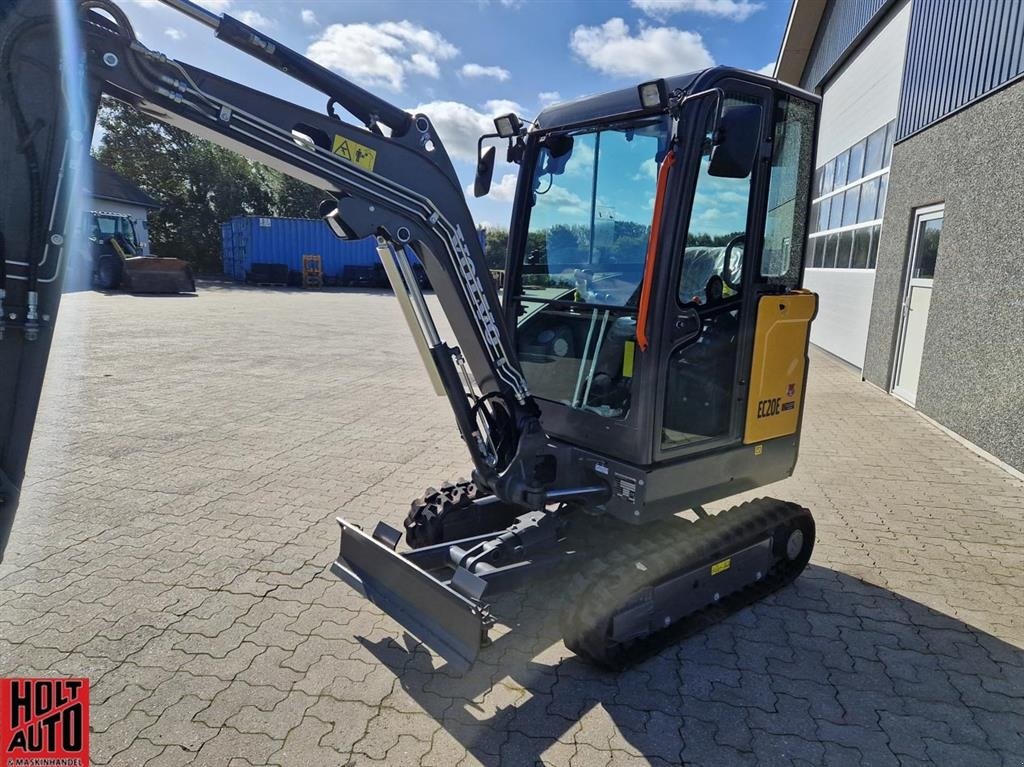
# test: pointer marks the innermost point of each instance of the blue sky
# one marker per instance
(463, 62)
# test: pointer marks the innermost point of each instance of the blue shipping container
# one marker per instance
(248, 240)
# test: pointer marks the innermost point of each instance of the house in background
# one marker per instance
(917, 222)
(113, 193)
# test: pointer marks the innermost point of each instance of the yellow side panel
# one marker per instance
(776, 393)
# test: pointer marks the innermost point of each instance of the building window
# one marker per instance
(875, 151)
(846, 215)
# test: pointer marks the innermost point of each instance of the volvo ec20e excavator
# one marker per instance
(649, 355)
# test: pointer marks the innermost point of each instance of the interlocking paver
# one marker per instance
(178, 522)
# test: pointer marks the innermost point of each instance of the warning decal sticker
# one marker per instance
(354, 152)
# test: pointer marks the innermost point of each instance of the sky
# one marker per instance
(462, 63)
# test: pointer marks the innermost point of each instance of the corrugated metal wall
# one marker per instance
(841, 24)
(248, 240)
(958, 51)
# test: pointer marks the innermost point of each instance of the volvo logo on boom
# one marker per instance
(482, 310)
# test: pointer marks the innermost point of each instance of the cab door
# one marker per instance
(710, 290)
(735, 330)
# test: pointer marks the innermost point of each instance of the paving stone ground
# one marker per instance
(175, 535)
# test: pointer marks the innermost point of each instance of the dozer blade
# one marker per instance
(149, 274)
(443, 619)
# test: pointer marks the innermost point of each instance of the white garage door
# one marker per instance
(859, 105)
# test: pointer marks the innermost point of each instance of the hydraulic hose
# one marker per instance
(26, 146)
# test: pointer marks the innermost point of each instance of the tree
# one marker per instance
(198, 184)
(295, 198)
(495, 247)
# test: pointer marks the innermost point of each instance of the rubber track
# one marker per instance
(424, 524)
(653, 553)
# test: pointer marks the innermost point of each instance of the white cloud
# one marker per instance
(652, 52)
(582, 161)
(569, 203)
(174, 34)
(308, 17)
(648, 170)
(549, 97)
(478, 70)
(217, 6)
(737, 10)
(256, 20)
(496, 107)
(767, 69)
(501, 191)
(381, 54)
(424, 65)
(460, 125)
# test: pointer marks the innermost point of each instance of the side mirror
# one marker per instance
(484, 172)
(737, 138)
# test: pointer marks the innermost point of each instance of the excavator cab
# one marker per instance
(651, 249)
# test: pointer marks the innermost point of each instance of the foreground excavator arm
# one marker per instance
(391, 179)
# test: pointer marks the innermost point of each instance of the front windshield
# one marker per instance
(579, 285)
(107, 226)
(593, 196)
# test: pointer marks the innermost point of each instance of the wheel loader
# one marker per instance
(117, 261)
(648, 355)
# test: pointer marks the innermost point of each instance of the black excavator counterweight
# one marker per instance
(648, 354)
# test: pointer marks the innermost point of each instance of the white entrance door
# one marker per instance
(924, 248)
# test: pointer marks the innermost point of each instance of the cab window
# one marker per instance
(713, 255)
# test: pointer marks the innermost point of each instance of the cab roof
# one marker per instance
(626, 102)
(587, 109)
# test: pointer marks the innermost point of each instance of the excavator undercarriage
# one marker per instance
(648, 354)
(629, 591)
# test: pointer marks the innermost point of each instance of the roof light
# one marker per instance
(508, 126)
(653, 95)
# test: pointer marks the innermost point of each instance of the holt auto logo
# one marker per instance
(44, 722)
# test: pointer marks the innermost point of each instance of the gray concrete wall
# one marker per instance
(972, 375)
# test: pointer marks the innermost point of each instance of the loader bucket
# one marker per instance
(149, 274)
(447, 621)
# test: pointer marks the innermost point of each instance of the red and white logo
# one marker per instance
(44, 722)
(791, 390)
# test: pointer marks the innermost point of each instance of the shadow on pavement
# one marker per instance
(831, 670)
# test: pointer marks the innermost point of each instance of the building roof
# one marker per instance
(804, 19)
(111, 185)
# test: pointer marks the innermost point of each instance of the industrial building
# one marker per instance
(917, 224)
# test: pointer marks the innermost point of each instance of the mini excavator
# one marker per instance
(648, 355)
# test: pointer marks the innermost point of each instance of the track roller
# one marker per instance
(667, 580)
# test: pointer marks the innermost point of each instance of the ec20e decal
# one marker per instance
(769, 407)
